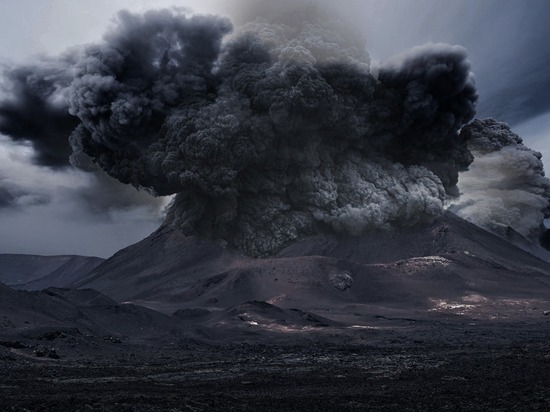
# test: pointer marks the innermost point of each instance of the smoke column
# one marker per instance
(270, 132)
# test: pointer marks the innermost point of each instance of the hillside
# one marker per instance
(449, 266)
(34, 272)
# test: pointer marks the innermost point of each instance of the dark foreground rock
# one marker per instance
(486, 367)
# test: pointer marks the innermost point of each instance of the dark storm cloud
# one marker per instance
(34, 108)
(6, 197)
(507, 42)
(280, 132)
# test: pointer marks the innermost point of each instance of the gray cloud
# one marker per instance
(505, 186)
(60, 211)
(102, 195)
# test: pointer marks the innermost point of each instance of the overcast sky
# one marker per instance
(47, 211)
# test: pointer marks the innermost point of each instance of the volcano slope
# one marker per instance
(32, 272)
(446, 316)
(76, 323)
(447, 269)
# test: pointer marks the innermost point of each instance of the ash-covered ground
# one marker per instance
(440, 365)
(450, 318)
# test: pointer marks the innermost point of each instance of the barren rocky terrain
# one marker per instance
(460, 367)
(443, 317)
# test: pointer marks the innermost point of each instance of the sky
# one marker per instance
(65, 211)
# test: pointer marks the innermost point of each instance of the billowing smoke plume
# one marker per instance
(277, 131)
(34, 108)
(505, 185)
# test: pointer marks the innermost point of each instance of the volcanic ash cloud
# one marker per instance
(274, 131)
(505, 185)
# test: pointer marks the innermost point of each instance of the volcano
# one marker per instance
(449, 267)
(315, 254)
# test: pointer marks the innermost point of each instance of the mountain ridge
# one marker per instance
(414, 269)
(35, 272)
